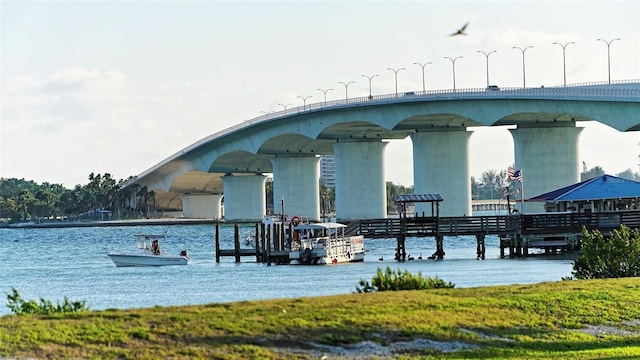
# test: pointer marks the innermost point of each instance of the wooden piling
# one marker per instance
(268, 247)
(480, 249)
(439, 254)
(236, 242)
(401, 252)
(256, 242)
(217, 242)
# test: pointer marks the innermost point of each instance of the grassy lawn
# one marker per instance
(586, 319)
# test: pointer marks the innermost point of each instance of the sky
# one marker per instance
(118, 86)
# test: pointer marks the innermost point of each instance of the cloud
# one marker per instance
(69, 95)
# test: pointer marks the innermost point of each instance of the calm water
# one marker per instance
(73, 262)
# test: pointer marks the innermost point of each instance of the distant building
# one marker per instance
(328, 171)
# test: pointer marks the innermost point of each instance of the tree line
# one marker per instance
(104, 197)
(494, 184)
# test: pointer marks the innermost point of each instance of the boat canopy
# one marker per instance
(320, 226)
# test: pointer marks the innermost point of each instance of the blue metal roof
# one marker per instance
(599, 188)
(414, 198)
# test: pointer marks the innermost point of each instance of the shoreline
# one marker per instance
(110, 223)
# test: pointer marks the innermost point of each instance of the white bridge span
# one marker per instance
(233, 162)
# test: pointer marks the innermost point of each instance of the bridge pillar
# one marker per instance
(202, 206)
(441, 165)
(549, 159)
(360, 185)
(244, 197)
(296, 179)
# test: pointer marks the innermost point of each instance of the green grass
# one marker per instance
(509, 322)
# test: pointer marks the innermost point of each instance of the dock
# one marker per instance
(518, 233)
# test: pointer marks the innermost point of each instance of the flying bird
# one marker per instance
(461, 30)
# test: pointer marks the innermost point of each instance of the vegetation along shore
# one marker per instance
(577, 319)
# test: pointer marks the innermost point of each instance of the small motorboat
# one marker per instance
(148, 253)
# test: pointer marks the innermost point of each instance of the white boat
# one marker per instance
(148, 253)
(324, 243)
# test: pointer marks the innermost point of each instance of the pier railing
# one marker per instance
(534, 224)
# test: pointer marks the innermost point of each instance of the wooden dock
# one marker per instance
(269, 245)
(551, 232)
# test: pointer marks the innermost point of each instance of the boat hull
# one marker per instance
(129, 260)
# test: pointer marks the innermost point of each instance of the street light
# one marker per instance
(453, 63)
(524, 83)
(267, 113)
(325, 95)
(608, 55)
(346, 88)
(285, 107)
(370, 77)
(304, 102)
(487, 56)
(395, 71)
(422, 66)
(564, 63)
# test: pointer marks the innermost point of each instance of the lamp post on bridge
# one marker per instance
(304, 101)
(453, 64)
(564, 63)
(524, 83)
(267, 113)
(486, 55)
(346, 88)
(422, 66)
(608, 55)
(325, 91)
(370, 77)
(285, 107)
(395, 71)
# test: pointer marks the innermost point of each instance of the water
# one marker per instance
(73, 262)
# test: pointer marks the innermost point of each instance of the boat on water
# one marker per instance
(324, 243)
(148, 253)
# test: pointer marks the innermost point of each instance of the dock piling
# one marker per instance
(480, 249)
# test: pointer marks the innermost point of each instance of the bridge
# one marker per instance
(233, 162)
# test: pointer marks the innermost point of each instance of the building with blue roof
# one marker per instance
(601, 194)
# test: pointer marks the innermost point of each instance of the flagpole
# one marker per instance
(522, 189)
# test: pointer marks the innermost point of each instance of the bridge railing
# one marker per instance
(557, 92)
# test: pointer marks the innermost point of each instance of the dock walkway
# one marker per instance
(552, 232)
(518, 233)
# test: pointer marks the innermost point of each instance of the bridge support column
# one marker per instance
(296, 179)
(202, 206)
(549, 159)
(244, 197)
(360, 185)
(441, 165)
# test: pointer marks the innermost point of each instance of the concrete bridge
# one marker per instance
(232, 162)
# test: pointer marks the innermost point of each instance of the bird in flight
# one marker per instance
(460, 31)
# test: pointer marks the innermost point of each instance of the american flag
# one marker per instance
(515, 174)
